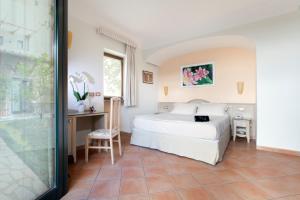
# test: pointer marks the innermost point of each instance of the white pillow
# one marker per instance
(211, 109)
(184, 109)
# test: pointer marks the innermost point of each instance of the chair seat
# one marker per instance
(102, 134)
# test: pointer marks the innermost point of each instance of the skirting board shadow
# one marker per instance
(277, 150)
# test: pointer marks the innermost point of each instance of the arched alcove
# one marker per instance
(160, 55)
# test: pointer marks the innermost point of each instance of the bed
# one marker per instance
(176, 132)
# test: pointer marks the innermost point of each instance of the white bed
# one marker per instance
(177, 133)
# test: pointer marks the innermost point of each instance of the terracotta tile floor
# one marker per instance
(145, 174)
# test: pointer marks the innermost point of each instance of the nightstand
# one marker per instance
(241, 128)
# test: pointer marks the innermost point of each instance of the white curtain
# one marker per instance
(130, 73)
(130, 77)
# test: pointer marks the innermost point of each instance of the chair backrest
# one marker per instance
(115, 109)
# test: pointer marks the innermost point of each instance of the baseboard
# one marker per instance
(278, 150)
(125, 132)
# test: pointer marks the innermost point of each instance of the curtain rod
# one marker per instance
(115, 36)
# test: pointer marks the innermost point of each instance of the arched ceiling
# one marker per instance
(164, 54)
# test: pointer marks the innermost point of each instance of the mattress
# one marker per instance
(183, 125)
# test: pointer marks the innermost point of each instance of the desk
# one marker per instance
(99, 120)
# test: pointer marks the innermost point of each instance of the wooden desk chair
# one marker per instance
(107, 134)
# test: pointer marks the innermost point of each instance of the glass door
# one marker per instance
(29, 115)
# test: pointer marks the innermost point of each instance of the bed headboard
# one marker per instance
(168, 106)
(198, 101)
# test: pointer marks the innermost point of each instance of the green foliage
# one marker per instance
(77, 94)
(79, 97)
(112, 77)
(40, 72)
(84, 96)
(33, 77)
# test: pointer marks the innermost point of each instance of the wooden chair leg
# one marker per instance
(111, 150)
(120, 147)
(87, 149)
(106, 145)
(99, 145)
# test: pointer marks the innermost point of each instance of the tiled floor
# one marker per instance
(17, 180)
(144, 174)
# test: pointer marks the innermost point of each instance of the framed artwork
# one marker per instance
(197, 75)
(147, 77)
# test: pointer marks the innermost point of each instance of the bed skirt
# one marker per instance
(209, 151)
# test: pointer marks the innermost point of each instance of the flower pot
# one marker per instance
(80, 106)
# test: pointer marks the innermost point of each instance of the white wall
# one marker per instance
(278, 82)
(86, 55)
(147, 95)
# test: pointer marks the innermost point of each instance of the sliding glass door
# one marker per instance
(29, 111)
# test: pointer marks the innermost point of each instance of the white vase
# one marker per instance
(80, 106)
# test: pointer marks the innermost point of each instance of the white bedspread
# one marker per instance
(183, 125)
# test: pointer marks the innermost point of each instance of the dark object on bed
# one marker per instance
(201, 118)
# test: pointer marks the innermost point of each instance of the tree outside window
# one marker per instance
(113, 76)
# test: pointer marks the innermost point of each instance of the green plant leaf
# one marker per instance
(77, 95)
(208, 80)
(84, 96)
(204, 81)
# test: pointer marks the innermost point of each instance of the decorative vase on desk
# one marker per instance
(80, 106)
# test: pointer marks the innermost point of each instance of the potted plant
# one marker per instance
(80, 98)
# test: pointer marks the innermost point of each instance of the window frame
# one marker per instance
(20, 44)
(110, 55)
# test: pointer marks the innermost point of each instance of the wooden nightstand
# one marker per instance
(241, 128)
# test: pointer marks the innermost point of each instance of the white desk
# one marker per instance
(99, 120)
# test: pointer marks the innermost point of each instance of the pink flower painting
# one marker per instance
(197, 75)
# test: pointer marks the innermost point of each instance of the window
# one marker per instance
(30, 97)
(20, 44)
(21, 98)
(26, 42)
(113, 75)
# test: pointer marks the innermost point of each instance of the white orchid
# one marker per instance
(74, 80)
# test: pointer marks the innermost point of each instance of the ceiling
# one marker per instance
(164, 54)
(157, 23)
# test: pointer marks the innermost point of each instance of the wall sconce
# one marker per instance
(166, 90)
(240, 87)
(70, 38)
